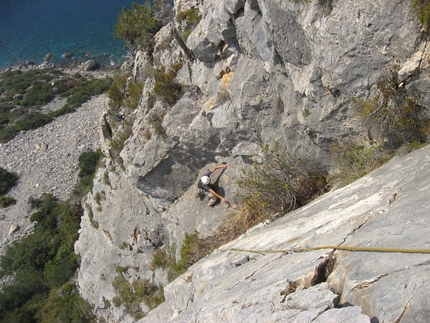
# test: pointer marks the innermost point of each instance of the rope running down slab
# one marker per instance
(346, 248)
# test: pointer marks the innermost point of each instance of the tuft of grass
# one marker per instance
(165, 87)
(130, 295)
(277, 183)
(192, 19)
(355, 160)
(391, 115)
(422, 9)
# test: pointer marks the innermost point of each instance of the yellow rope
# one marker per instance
(347, 248)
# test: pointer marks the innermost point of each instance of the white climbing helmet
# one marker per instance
(206, 180)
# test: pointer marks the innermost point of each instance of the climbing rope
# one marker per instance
(347, 248)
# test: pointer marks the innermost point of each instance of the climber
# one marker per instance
(205, 185)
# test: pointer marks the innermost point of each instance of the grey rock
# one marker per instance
(90, 65)
(14, 228)
(380, 285)
(259, 66)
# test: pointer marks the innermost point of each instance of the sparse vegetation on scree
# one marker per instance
(43, 263)
(23, 94)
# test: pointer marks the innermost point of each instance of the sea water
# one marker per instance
(31, 29)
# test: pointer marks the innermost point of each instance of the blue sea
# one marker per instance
(30, 29)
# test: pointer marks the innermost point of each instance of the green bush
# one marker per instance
(134, 94)
(33, 121)
(137, 26)
(278, 183)
(192, 17)
(116, 92)
(391, 116)
(130, 295)
(66, 306)
(7, 180)
(40, 261)
(165, 85)
(36, 89)
(87, 165)
(6, 201)
(38, 95)
(356, 160)
(124, 90)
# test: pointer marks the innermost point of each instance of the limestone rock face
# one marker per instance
(247, 280)
(249, 73)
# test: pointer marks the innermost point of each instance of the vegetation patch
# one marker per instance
(7, 181)
(43, 263)
(391, 116)
(277, 183)
(138, 25)
(422, 10)
(88, 162)
(165, 87)
(354, 160)
(22, 94)
(191, 18)
(131, 295)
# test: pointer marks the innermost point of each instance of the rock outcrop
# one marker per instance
(253, 72)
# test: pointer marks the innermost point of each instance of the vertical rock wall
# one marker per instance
(261, 71)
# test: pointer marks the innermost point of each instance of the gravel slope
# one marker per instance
(46, 159)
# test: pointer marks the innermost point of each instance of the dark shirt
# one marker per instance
(206, 187)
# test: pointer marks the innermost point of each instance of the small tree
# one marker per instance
(278, 183)
(138, 26)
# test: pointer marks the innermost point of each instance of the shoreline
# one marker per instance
(72, 65)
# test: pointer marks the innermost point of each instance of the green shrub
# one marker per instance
(326, 5)
(278, 183)
(6, 201)
(87, 165)
(7, 180)
(38, 95)
(155, 119)
(134, 94)
(116, 92)
(138, 26)
(33, 120)
(40, 261)
(391, 116)
(354, 161)
(165, 258)
(130, 295)
(192, 17)
(124, 90)
(165, 85)
(66, 306)
(36, 89)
